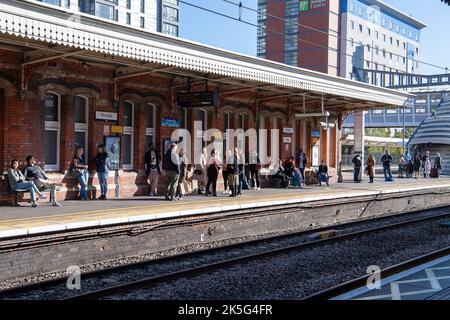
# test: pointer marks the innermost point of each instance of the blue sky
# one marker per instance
(224, 33)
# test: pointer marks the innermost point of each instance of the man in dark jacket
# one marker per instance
(152, 168)
(102, 167)
(233, 172)
(386, 160)
(357, 168)
(172, 167)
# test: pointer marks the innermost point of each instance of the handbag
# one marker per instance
(198, 172)
(77, 173)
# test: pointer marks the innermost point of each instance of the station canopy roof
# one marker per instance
(46, 32)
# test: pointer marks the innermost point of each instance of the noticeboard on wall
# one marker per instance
(112, 144)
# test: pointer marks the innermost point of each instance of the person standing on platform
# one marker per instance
(201, 171)
(226, 189)
(426, 165)
(401, 167)
(102, 167)
(79, 169)
(408, 165)
(438, 164)
(357, 164)
(233, 173)
(370, 165)
(386, 160)
(35, 173)
(152, 162)
(304, 163)
(213, 174)
(254, 168)
(243, 184)
(181, 180)
(172, 167)
(417, 164)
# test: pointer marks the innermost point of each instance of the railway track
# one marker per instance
(346, 287)
(49, 285)
(208, 267)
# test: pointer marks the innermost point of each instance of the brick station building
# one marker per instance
(57, 73)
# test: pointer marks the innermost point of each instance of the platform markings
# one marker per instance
(396, 293)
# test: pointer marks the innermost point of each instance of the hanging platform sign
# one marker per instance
(287, 140)
(315, 133)
(198, 99)
(288, 130)
(107, 116)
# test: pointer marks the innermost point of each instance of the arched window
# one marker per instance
(81, 112)
(151, 126)
(52, 138)
(128, 135)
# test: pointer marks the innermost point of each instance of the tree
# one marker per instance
(446, 1)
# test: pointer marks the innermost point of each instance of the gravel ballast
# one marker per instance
(332, 263)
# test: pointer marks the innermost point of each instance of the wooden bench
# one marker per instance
(19, 191)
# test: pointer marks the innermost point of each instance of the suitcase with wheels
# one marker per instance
(434, 173)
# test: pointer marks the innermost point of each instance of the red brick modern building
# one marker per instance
(59, 81)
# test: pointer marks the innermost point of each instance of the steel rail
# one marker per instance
(360, 282)
(148, 282)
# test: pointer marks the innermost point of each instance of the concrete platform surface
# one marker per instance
(24, 220)
(429, 281)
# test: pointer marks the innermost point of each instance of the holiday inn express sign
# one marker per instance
(305, 5)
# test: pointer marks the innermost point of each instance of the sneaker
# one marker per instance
(34, 205)
(42, 197)
(258, 188)
(151, 194)
(180, 199)
(56, 204)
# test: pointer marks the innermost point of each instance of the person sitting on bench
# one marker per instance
(18, 182)
(322, 174)
(280, 174)
(34, 173)
(297, 180)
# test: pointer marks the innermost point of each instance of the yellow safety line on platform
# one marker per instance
(200, 204)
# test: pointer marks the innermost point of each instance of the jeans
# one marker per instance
(356, 174)
(83, 179)
(103, 180)
(29, 186)
(255, 178)
(387, 172)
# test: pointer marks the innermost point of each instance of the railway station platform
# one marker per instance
(23, 220)
(429, 281)
(47, 239)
